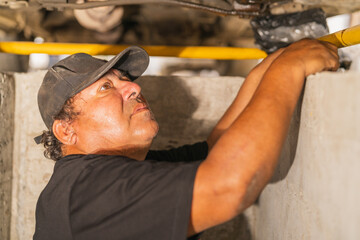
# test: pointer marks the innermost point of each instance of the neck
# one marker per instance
(134, 152)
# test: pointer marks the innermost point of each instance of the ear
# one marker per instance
(64, 132)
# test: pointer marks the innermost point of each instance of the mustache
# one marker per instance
(140, 99)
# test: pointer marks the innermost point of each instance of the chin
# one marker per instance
(154, 126)
(154, 130)
(148, 132)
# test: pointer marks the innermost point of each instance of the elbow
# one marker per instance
(234, 195)
(251, 189)
(246, 187)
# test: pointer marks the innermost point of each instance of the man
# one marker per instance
(101, 129)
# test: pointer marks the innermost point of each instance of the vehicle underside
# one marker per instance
(157, 22)
(174, 22)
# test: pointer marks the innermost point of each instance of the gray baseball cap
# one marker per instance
(78, 71)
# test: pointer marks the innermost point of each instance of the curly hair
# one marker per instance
(53, 147)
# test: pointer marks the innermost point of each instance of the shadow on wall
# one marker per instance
(174, 105)
(236, 229)
(288, 152)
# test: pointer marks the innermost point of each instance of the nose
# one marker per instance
(130, 90)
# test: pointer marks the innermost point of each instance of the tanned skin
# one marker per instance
(246, 143)
(114, 119)
(244, 146)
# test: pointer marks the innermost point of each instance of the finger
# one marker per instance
(335, 54)
(337, 65)
(332, 50)
(333, 64)
(330, 46)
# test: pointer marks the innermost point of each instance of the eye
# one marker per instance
(105, 86)
(124, 78)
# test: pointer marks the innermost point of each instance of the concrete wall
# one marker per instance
(313, 193)
(31, 171)
(316, 195)
(7, 107)
(181, 110)
(8, 62)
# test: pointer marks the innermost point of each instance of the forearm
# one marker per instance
(244, 157)
(254, 140)
(242, 99)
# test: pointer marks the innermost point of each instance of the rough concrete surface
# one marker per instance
(183, 113)
(186, 108)
(313, 194)
(319, 196)
(31, 171)
(7, 107)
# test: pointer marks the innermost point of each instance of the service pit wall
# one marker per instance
(7, 110)
(314, 193)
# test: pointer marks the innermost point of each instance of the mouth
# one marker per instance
(140, 108)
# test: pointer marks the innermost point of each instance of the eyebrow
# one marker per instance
(113, 72)
(122, 74)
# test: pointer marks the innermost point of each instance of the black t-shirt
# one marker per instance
(114, 197)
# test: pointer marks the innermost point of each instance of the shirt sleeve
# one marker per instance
(127, 199)
(186, 153)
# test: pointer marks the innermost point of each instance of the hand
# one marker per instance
(310, 56)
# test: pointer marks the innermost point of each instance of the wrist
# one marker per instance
(290, 67)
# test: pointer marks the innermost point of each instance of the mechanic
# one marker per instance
(108, 185)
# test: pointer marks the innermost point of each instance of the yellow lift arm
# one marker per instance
(343, 38)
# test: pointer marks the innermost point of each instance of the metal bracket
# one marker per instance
(243, 10)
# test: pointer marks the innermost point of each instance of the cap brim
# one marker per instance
(133, 61)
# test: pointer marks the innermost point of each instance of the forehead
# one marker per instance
(112, 74)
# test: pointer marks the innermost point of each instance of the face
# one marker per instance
(114, 116)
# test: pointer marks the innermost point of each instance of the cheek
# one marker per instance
(107, 119)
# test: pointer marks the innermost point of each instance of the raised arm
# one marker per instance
(242, 99)
(243, 158)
